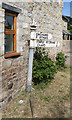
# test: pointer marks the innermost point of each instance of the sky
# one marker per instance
(67, 0)
(66, 7)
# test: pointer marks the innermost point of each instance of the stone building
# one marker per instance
(67, 42)
(16, 19)
(66, 32)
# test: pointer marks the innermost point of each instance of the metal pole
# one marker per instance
(29, 76)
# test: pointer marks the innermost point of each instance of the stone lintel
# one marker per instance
(11, 8)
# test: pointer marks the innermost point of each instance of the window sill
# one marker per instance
(10, 55)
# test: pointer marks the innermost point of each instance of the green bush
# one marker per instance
(60, 60)
(43, 67)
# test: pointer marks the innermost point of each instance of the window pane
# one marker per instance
(9, 42)
(9, 20)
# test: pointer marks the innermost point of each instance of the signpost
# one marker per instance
(43, 36)
(29, 76)
(40, 43)
(37, 40)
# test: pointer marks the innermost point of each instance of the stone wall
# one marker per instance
(14, 70)
(67, 46)
(48, 16)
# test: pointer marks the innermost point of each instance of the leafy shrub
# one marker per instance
(60, 60)
(43, 67)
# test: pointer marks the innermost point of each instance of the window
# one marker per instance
(10, 34)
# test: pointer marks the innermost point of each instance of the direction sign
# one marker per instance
(46, 36)
(40, 43)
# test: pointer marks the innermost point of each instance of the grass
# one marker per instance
(41, 85)
(47, 99)
(52, 100)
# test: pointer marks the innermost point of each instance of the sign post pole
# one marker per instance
(29, 77)
(31, 52)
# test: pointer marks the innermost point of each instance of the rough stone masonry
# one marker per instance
(13, 71)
